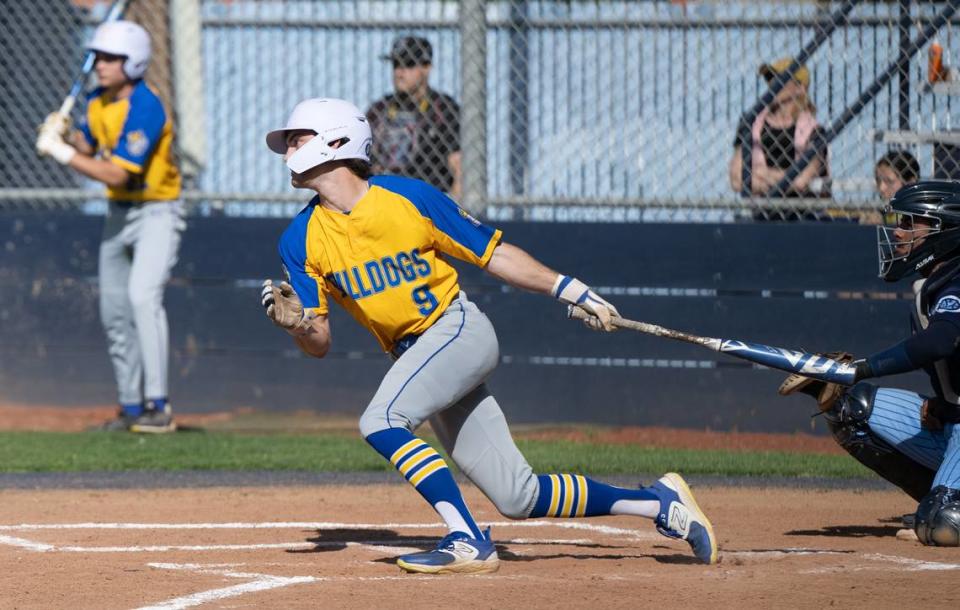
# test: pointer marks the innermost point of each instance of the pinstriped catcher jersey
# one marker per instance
(938, 298)
(383, 262)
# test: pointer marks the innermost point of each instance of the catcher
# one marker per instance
(376, 245)
(913, 441)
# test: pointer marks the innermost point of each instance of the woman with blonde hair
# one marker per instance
(780, 134)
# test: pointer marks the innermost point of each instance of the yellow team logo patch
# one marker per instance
(137, 142)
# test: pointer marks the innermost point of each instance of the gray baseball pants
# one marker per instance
(441, 378)
(138, 250)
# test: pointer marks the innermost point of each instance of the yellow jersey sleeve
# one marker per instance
(301, 274)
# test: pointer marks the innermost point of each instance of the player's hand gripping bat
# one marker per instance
(814, 366)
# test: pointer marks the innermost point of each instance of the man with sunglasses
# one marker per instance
(126, 142)
(416, 130)
(911, 440)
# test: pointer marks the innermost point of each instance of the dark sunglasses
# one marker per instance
(406, 63)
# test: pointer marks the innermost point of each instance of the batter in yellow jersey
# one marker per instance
(378, 246)
(383, 262)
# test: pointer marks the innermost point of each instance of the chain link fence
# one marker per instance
(539, 109)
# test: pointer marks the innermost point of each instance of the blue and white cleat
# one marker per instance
(457, 553)
(681, 517)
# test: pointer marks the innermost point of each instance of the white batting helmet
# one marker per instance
(127, 39)
(332, 120)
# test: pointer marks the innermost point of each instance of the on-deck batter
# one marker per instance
(126, 143)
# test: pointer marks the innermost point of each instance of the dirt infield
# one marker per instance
(333, 547)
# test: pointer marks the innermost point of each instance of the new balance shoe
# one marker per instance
(121, 423)
(457, 553)
(154, 420)
(681, 517)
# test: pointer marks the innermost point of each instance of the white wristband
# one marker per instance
(569, 290)
(62, 152)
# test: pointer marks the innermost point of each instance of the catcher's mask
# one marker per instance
(925, 229)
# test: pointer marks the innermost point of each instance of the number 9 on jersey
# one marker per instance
(424, 299)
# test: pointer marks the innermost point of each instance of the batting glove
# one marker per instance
(58, 123)
(864, 370)
(572, 291)
(50, 143)
(284, 308)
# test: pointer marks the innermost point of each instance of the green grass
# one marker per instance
(78, 452)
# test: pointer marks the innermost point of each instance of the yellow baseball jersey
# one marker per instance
(136, 134)
(383, 262)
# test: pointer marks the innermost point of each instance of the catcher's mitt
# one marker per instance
(824, 392)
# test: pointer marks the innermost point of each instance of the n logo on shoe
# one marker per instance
(679, 519)
(464, 550)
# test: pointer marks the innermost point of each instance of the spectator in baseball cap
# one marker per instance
(416, 130)
(772, 70)
(410, 51)
(780, 134)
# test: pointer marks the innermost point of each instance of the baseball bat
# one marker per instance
(115, 13)
(814, 366)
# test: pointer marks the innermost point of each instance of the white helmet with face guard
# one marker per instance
(333, 121)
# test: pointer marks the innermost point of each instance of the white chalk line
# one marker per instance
(262, 582)
(300, 525)
(388, 546)
(163, 548)
(893, 562)
(384, 545)
(781, 553)
(26, 544)
(325, 525)
(914, 564)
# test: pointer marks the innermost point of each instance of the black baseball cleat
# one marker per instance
(154, 422)
(120, 423)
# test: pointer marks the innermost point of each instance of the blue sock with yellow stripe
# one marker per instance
(574, 495)
(423, 467)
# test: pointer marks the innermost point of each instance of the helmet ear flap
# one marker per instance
(313, 153)
(135, 68)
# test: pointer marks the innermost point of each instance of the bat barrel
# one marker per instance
(814, 366)
(115, 13)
